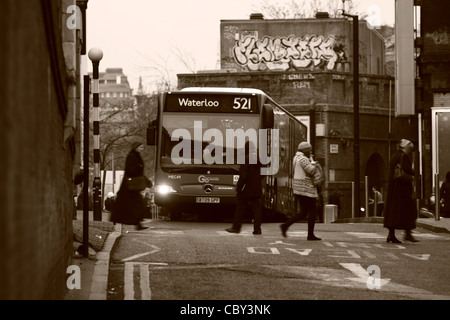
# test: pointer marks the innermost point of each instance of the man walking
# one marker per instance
(248, 191)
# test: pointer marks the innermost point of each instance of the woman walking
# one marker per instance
(445, 196)
(400, 211)
(130, 207)
(304, 190)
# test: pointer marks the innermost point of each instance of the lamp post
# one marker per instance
(85, 247)
(95, 55)
(312, 125)
(355, 60)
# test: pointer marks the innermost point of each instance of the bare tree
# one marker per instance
(297, 9)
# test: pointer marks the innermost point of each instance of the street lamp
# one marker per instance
(356, 204)
(95, 55)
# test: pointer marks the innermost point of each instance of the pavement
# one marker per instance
(103, 234)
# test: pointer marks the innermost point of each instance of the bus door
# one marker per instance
(440, 121)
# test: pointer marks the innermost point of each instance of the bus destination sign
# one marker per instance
(220, 103)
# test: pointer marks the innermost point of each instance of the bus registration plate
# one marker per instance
(207, 200)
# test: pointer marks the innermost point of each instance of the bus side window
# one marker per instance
(151, 133)
(267, 116)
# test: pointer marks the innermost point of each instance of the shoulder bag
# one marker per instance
(398, 170)
(318, 178)
(136, 183)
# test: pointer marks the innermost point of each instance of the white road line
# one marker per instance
(145, 282)
(128, 281)
(155, 249)
(366, 235)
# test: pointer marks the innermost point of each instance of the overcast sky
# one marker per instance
(138, 34)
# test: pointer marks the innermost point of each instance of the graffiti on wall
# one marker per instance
(284, 53)
(439, 36)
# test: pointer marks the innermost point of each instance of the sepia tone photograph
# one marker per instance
(225, 158)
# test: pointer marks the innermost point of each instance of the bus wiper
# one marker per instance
(187, 170)
(204, 169)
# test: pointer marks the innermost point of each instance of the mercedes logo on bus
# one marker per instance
(208, 188)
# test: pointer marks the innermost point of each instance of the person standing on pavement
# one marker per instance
(378, 199)
(129, 206)
(400, 211)
(304, 189)
(445, 196)
(248, 191)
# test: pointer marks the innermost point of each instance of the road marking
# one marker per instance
(423, 257)
(154, 249)
(242, 233)
(128, 288)
(302, 252)
(144, 283)
(146, 294)
(297, 234)
(366, 235)
(281, 242)
(272, 250)
(362, 274)
(351, 254)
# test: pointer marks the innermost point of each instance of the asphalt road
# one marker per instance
(201, 261)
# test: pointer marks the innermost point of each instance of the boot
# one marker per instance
(284, 228)
(311, 235)
(391, 236)
(409, 237)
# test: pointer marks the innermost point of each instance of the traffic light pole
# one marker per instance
(356, 166)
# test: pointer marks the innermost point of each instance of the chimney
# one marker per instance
(322, 15)
(256, 16)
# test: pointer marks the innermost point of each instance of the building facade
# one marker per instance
(433, 91)
(39, 131)
(306, 65)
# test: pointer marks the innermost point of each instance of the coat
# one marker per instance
(400, 211)
(249, 183)
(303, 170)
(445, 197)
(129, 206)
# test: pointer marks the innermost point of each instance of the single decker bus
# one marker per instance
(200, 133)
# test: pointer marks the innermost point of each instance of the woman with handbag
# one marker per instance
(304, 189)
(130, 207)
(400, 211)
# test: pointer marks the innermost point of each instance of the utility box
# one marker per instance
(331, 213)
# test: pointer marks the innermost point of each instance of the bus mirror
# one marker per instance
(267, 117)
(151, 136)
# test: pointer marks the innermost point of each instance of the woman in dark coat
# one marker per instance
(129, 207)
(400, 211)
(445, 196)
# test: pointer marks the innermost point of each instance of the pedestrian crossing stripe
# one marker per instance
(366, 235)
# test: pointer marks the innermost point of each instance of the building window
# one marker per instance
(107, 94)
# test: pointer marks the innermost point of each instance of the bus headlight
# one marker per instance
(165, 189)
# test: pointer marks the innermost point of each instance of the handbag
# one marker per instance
(318, 179)
(398, 170)
(399, 173)
(136, 183)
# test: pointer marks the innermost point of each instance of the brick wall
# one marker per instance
(37, 206)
